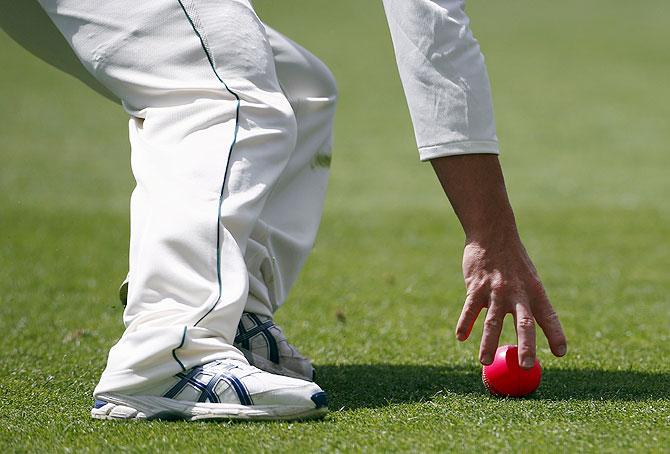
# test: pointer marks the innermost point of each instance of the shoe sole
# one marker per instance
(123, 407)
(273, 368)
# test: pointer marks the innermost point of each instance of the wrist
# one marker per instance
(475, 187)
(493, 234)
(491, 222)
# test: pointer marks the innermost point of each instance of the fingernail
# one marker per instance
(561, 350)
(486, 359)
(528, 363)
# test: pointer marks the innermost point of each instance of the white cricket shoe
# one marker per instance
(223, 389)
(264, 345)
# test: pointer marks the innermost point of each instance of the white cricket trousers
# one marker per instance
(230, 131)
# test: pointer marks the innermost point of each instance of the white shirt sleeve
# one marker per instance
(444, 77)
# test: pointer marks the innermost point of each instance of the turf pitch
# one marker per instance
(582, 104)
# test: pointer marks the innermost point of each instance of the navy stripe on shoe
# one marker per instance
(185, 380)
(206, 393)
(243, 335)
(208, 390)
(273, 350)
(241, 390)
(211, 387)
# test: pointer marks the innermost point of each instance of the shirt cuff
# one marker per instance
(458, 148)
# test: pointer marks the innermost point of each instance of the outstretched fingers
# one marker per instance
(492, 329)
(525, 332)
(548, 320)
(474, 303)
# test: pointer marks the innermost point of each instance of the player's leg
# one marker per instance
(288, 223)
(211, 132)
(290, 219)
(285, 232)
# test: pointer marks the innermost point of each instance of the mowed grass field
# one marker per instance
(583, 106)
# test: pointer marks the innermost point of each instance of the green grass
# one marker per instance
(582, 103)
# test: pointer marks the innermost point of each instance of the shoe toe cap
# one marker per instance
(305, 394)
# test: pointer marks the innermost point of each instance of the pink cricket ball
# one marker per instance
(504, 377)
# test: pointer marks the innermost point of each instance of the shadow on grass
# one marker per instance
(378, 385)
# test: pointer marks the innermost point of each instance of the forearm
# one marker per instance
(475, 187)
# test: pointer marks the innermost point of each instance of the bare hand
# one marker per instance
(500, 276)
(498, 273)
